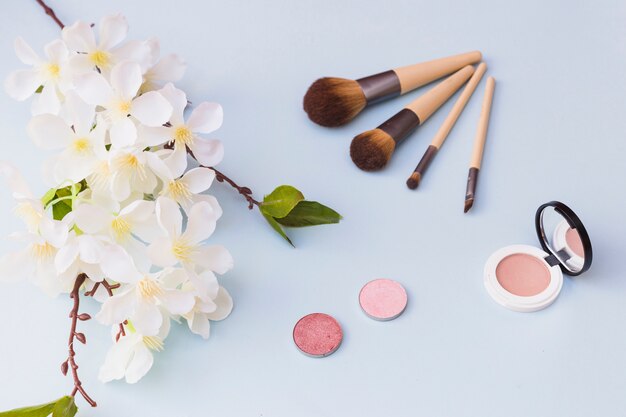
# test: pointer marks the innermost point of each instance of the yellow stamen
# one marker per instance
(101, 59)
(183, 135)
(42, 251)
(121, 228)
(148, 288)
(81, 145)
(123, 107)
(153, 343)
(52, 70)
(129, 162)
(179, 191)
(182, 250)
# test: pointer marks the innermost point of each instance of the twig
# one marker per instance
(50, 13)
(109, 288)
(70, 362)
(244, 191)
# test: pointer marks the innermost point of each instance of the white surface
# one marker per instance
(556, 132)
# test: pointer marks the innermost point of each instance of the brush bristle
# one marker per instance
(468, 205)
(414, 180)
(333, 102)
(371, 150)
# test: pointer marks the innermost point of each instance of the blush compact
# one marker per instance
(527, 278)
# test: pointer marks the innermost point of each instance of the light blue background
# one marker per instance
(557, 132)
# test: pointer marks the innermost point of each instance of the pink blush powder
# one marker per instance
(317, 335)
(383, 299)
(523, 275)
(574, 242)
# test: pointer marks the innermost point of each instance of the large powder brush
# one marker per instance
(333, 102)
(372, 150)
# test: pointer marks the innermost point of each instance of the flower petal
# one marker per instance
(65, 257)
(177, 161)
(56, 51)
(200, 223)
(147, 318)
(206, 118)
(169, 216)
(119, 307)
(139, 365)
(118, 265)
(154, 136)
(117, 359)
(93, 88)
(48, 102)
(224, 305)
(113, 30)
(198, 179)
(208, 152)
(160, 252)
(126, 79)
(151, 109)
(177, 301)
(138, 211)
(123, 133)
(90, 249)
(25, 53)
(178, 99)
(49, 132)
(80, 115)
(216, 258)
(79, 37)
(169, 68)
(22, 84)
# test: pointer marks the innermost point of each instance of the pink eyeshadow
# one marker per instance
(574, 242)
(523, 274)
(317, 335)
(383, 299)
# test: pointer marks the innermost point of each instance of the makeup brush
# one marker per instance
(371, 150)
(446, 127)
(479, 144)
(333, 102)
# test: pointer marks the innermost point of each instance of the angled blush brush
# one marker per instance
(479, 145)
(333, 102)
(446, 127)
(371, 150)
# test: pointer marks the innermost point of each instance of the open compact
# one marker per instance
(526, 278)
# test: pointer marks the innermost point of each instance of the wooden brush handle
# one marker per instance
(413, 76)
(483, 122)
(429, 102)
(458, 107)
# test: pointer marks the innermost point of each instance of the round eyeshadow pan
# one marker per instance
(523, 275)
(317, 335)
(383, 299)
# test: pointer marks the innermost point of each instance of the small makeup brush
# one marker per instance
(371, 150)
(446, 127)
(333, 102)
(479, 144)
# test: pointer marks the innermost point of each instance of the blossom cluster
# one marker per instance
(126, 207)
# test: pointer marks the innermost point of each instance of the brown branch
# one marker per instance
(109, 288)
(244, 191)
(70, 362)
(50, 13)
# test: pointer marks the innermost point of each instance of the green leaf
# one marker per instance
(41, 410)
(65, 407)
(281, 201)
(310, 213)
(48, 196)
(277, 228)
(61, 208)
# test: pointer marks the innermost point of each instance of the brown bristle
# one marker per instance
(414, 180)
(371, 150)
(468, 205)
(333, 102)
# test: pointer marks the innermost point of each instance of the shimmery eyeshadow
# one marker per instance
(317, 335)
(574, 242)
(383, 299)
(523, 275)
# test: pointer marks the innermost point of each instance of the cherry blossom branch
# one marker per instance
(70, 362)
(50, 13)
(244, 191)
(109, 288)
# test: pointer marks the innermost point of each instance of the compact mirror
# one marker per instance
(564, 237)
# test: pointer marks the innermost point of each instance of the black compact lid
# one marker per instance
(574, 222)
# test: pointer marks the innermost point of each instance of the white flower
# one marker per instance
(143, 303)
(108, 51)
(119, 101)
(185, 247)
(131, 357)
(205, 118)
(185, 188)
(132, 173)
(51, 73)
(29, 209)
(81, 144)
